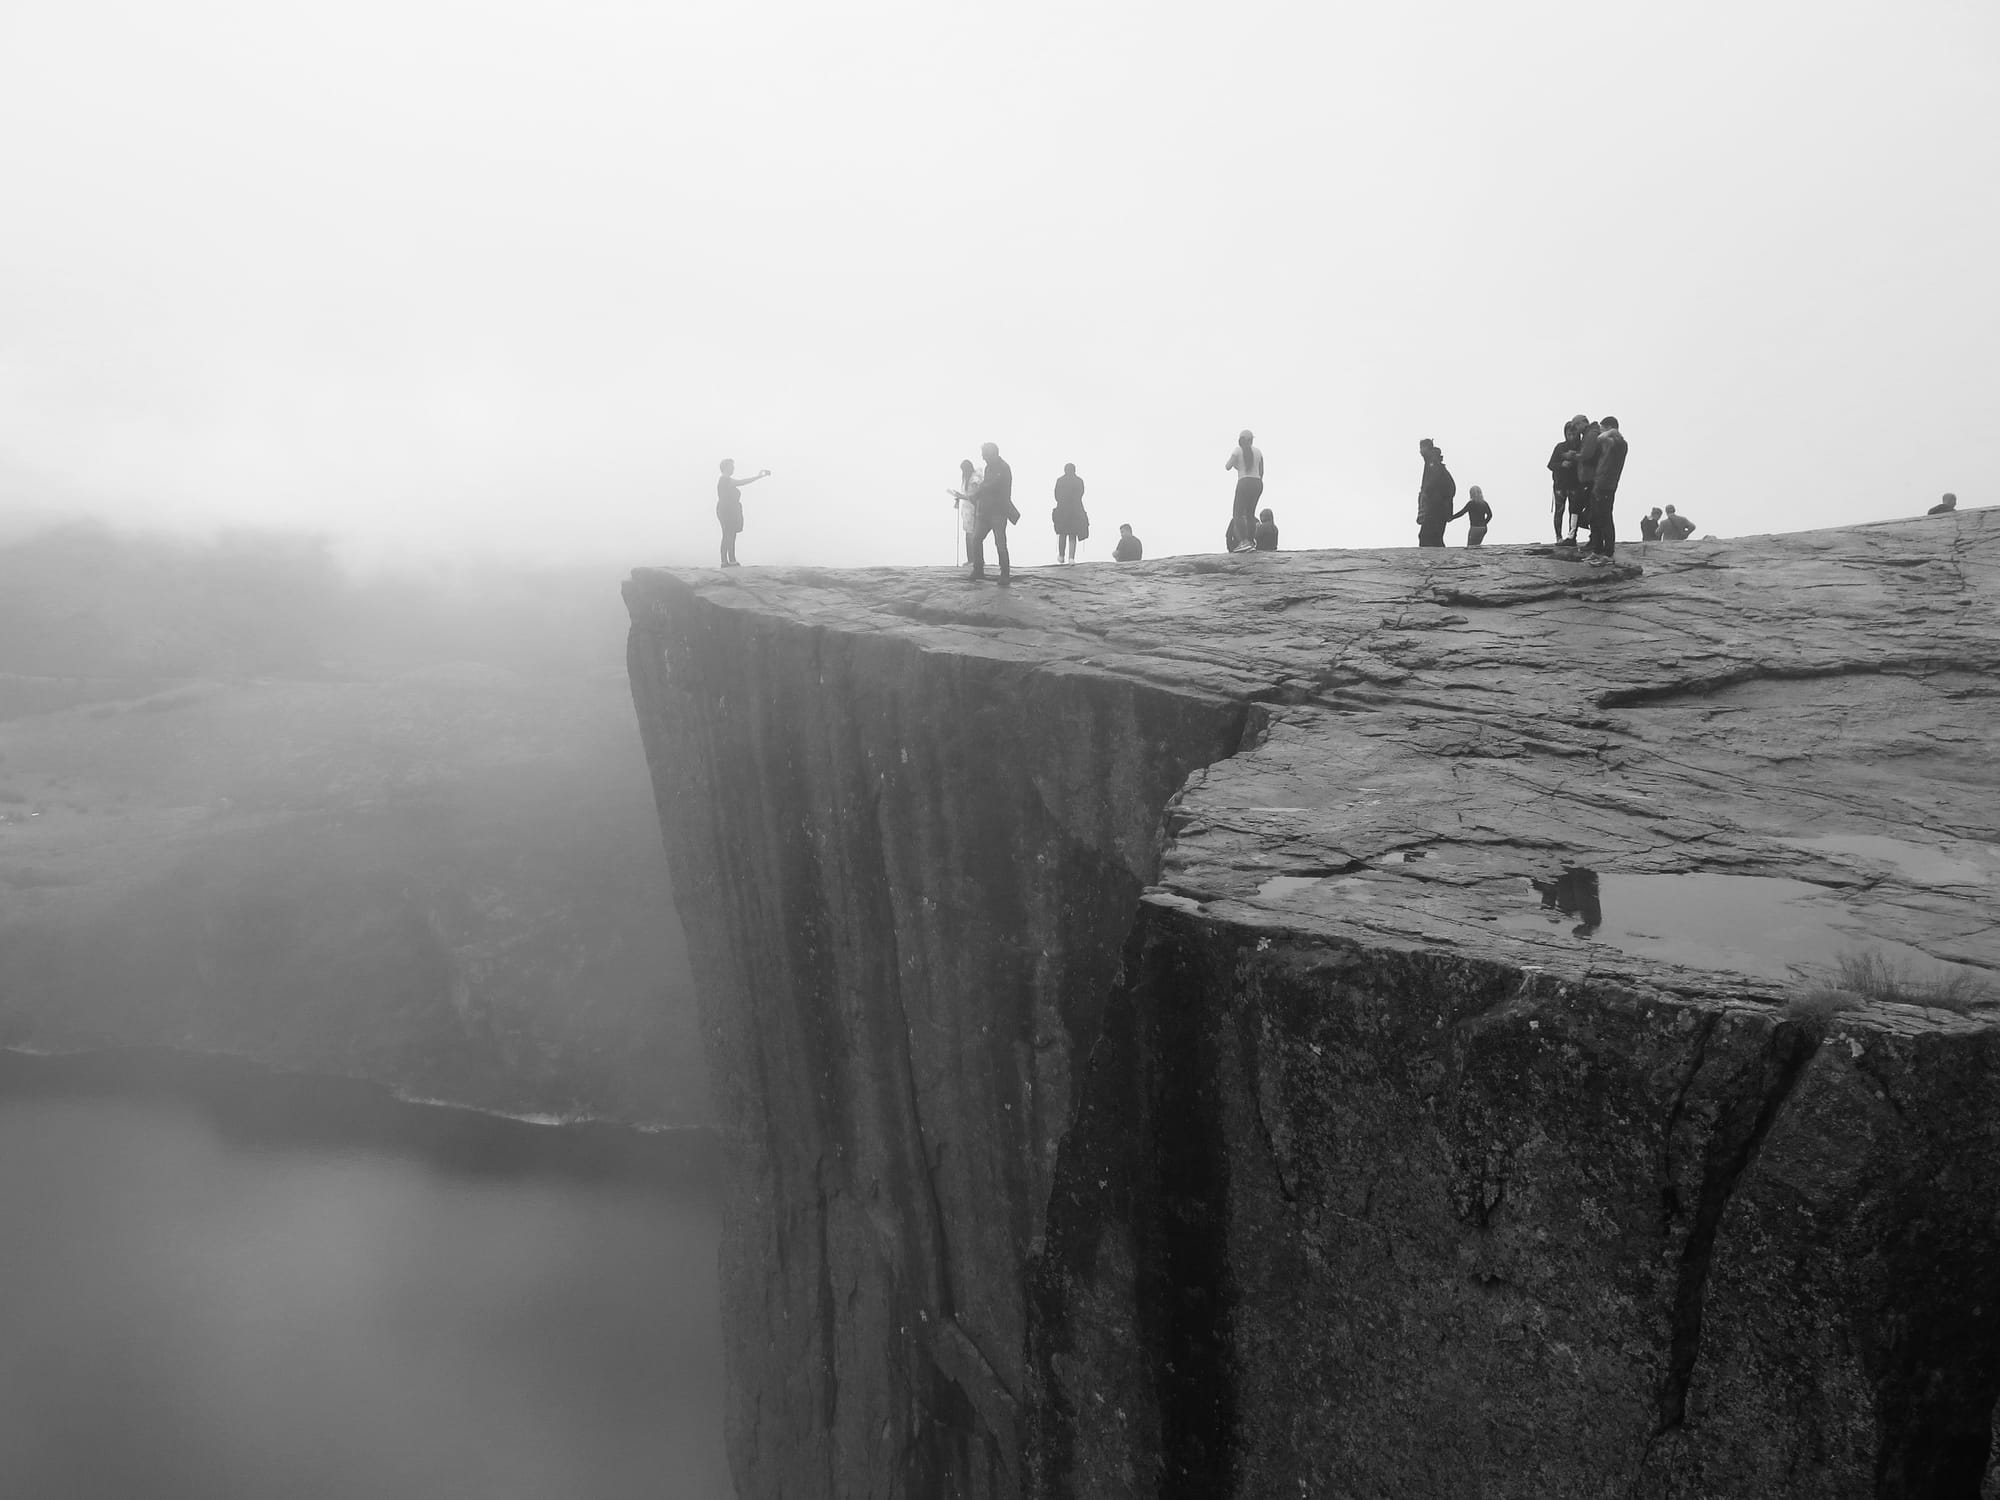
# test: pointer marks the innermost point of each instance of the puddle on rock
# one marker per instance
(1279, 886)
(1925, 864)
(1754, 924)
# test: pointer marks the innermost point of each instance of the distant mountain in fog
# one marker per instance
(397, 827)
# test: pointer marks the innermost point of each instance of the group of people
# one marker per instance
(1585, 469)
(985, 502)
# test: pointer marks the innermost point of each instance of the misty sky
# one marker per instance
(511, 277)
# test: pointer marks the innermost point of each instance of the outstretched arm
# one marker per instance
(760, 474)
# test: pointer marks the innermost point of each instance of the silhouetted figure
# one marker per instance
(1071, 521)
(1649, 526)
(1434, 496)
(1248, 461)
(1481, 513)
(1575, 892)
(1129, 548)
(994, 505)
(1587, 444)
(729, 507)
(1944, 507)
(1562, 478)
(1608, 470)
(962, 498)
(1267, 533)
(1675, 527)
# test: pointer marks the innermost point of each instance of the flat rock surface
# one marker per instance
(1769, 753)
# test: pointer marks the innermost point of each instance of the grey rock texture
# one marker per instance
(1351, 1023)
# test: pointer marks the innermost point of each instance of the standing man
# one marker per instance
(729, 506)
(1605, 474)
(1071, 521)
(1675, 527)
(993, 508)
(1434, 496)
(1248, 461)
(1588, 436)
(1481, 513)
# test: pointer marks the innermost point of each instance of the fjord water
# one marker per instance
(266, 1287)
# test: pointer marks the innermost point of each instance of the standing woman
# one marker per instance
(1248, 462)
(968, 485)
(729, 507)
(1071, 521)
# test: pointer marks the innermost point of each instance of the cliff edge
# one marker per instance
(1390, 1023)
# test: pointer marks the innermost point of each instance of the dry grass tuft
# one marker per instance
(1870, 976)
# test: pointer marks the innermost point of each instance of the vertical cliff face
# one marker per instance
(1351, 1024)
(906, 863)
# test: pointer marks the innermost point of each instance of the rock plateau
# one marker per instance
(1327, 1024)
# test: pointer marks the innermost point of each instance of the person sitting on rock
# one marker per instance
(1267, 532)
(1129, 548)
(1944, 507)
(1482, 514)
(1675, 527)
(1649, 526)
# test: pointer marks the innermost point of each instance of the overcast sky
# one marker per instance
(511, 277)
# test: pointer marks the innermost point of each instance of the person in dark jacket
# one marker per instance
(1605, 474)
(1267, 532)
(729, 507)
(1072, 523)
(993, 509)
(1649, 526)
(1562, 479)
(1129, 548)
(1480, 512)
(1434, 496)
(1944, 507)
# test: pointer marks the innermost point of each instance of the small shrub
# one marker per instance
(1874, 977)
(1822, 1002)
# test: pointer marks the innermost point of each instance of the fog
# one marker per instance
(507, 280)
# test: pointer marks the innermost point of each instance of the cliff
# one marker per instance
(1389, 1023)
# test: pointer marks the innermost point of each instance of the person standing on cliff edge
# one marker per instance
(1434, 496)
(729, 507)
(993, 508)
(1609, 469)
(1247, 459)
(1071, 521)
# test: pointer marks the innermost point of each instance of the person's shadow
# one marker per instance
(1574, 891)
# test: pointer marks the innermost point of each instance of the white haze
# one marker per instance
(507, 279)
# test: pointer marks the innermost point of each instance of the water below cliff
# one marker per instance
(215, 1284)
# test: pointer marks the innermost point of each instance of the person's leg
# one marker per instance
(1561, 506)
(975, 541)
(1603, 529)
(1000, 545)
(725, 547)
(1430, 534)
(1475, 536)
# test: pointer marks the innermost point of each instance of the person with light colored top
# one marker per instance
(1247, 459)
(1675, 527)
(968, 515)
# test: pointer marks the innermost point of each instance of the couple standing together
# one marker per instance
(986, 505)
